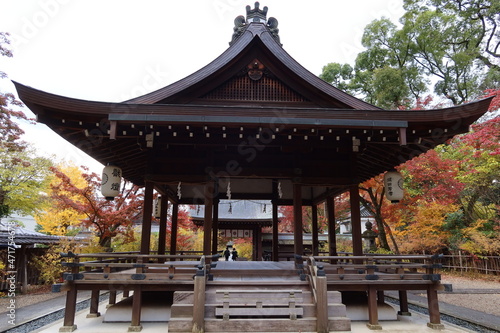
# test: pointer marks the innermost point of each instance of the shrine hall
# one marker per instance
(253, 124)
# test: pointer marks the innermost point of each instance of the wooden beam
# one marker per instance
(402, 136)
(112, 129)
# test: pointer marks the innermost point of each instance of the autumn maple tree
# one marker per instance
(106, 217)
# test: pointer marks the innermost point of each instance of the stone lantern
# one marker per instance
(369, 237)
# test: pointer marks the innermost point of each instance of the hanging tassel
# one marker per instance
(280, 192)
(228, 192)
(179, 193)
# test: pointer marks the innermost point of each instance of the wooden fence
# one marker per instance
(471, 263)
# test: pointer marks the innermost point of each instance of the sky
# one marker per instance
(114, 50)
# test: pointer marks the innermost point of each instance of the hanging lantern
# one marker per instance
(393, 183)
(157, 208)
(111, 181)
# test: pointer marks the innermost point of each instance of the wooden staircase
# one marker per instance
(244, 299)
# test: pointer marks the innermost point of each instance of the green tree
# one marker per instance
(453, 44)
(23, 177)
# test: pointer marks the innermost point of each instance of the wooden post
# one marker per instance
(94, 304)
(275, 245)
(173, 233)
(70, 309)
(357, 241)
(162, 234)
(330, 215)
(199, 302)
(135, 324)
(258, 243)
(433, 306)
(297, 218)
(112, 298)
(315, 243)
(215, 227)
(24, 270)
(372, 309)
(146, 218)
(322, 324)
(207, 225)
(403, 303)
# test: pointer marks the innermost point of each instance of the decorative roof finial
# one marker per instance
(256, 15)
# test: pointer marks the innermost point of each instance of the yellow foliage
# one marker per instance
(53, 220)
(426, 234)
(478, 242)
(244, 248)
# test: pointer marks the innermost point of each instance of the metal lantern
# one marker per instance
(157, 208)
(393, 183)
(111, 181)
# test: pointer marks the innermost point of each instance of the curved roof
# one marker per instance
(256, 37)
(253, 113)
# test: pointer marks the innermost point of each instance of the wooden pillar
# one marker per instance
(112, 298)
(173, 232)
(24, 270)
(372, 309)
(207, 225)
(146, 218)
(274, 202)
(215, 227)
(275, 245)
(357, 241)
(330, 215)
(135, 324)
(433, 306)
(403, 303)
(297, 218)
(162, 234)
(70, 309)
(258, 243)
(315, 242)
(94, 304)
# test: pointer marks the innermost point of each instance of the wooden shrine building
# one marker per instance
(253, 124)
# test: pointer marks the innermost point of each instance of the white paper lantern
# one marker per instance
(393, 183)
(111, 181)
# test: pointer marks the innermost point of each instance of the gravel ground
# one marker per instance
(463, 293)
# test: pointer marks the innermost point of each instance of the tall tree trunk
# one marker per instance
(374, 206)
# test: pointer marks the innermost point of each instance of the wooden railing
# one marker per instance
(374, 274)
(319, 288)
(127, 271)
